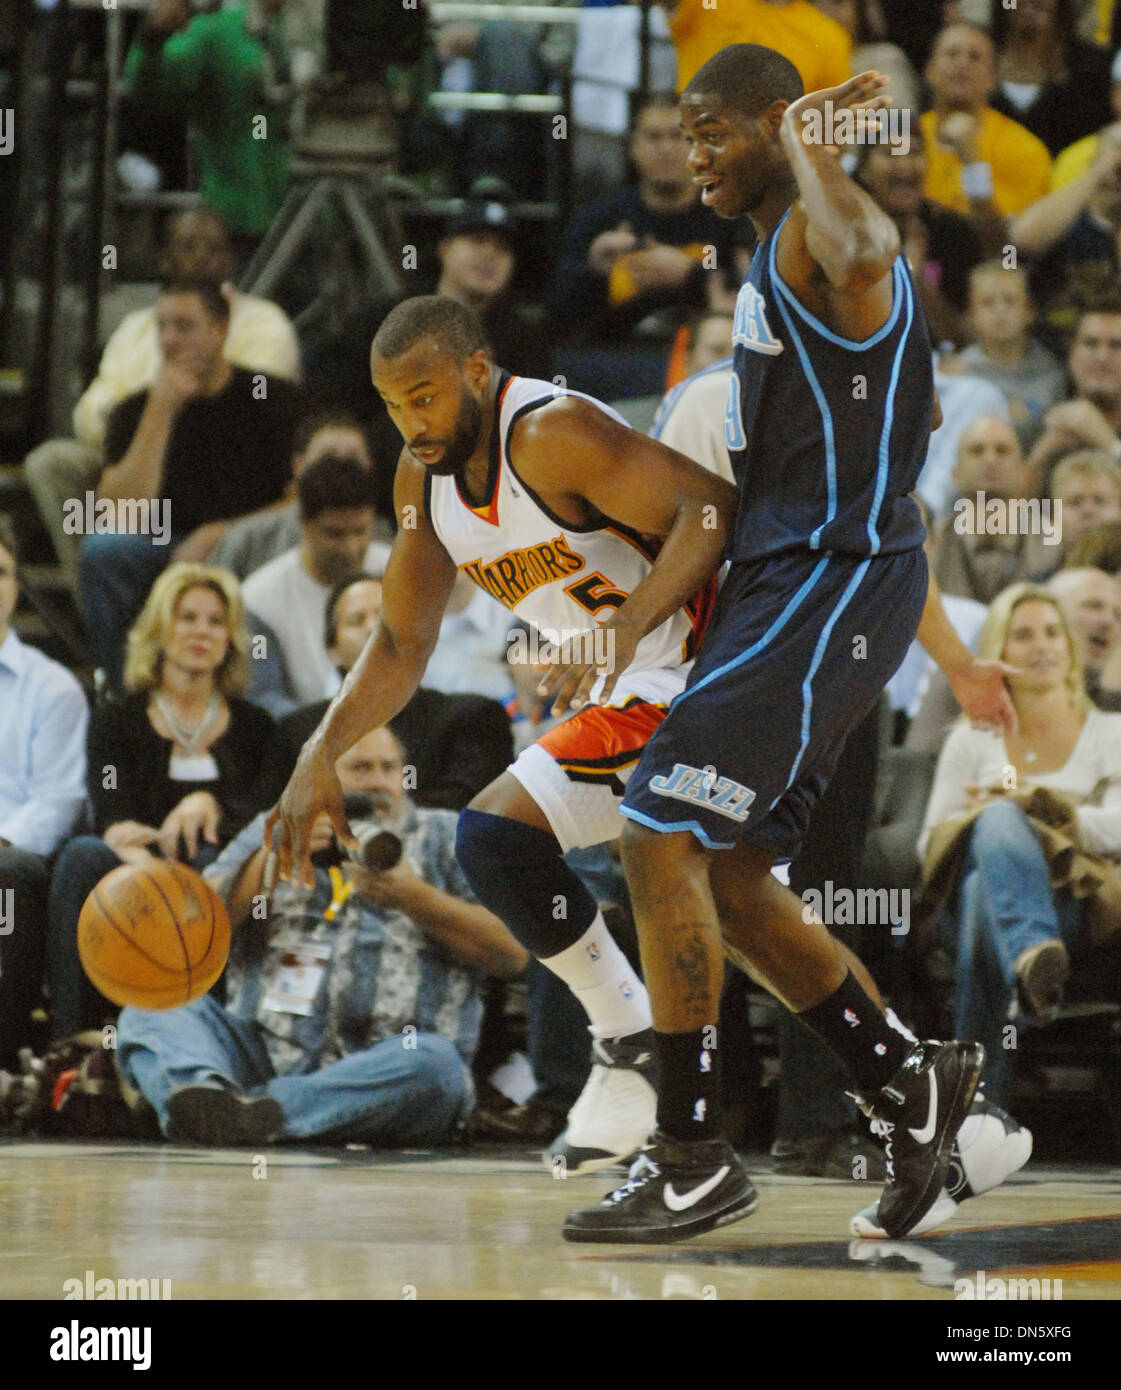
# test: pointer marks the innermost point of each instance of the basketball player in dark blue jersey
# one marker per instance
(830, 408)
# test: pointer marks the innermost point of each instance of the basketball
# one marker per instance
(155, 936)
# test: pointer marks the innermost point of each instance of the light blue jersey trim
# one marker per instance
(826, 426)
(889, 411)
(816, 324)
(669, 829)
(773, 631)
(807, 684)
(669, 402)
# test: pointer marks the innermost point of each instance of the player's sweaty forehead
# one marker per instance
(707, 109)
(426, 365)
(703, 108)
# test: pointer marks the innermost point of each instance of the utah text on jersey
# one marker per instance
(752, 331)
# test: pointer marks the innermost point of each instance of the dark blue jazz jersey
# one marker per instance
(826, 436)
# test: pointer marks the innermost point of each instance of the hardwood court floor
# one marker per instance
(317, 1225)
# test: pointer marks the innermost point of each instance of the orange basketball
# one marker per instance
(155, 936)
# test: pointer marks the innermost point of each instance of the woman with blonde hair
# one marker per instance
(171, 765)
(1014, 936)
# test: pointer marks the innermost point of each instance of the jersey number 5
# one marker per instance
(594, 592)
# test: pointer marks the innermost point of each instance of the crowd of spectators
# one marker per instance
(222, 634)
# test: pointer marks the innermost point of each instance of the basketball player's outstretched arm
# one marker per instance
(418, 582)
(837, 248)
(574, 450)
(978, 685)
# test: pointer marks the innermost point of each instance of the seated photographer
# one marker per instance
(1013, 933)
(170, 766)
(353, 1008)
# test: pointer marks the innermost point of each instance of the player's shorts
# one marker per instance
(799, 649)
(578, 772)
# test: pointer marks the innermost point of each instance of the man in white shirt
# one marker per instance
(260, 338)
(254, 540)
(43, 718)
(287, 599)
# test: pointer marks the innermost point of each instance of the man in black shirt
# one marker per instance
(207, 442)
(651, 246)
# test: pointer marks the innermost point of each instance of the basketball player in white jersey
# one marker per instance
(573, 521)
(577, 524)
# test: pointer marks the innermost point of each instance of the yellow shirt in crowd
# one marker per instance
(1073, 162)
(817, 45)
(1020, 163)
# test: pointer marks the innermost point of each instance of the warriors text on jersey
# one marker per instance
(559, 577)
(826, 436)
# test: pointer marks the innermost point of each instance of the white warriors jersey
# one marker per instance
(560, 578)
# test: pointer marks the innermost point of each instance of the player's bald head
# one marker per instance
(745, 78)
(449, 326)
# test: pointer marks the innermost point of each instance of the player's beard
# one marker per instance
(462, 444)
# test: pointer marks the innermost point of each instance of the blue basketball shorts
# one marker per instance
(798, 651)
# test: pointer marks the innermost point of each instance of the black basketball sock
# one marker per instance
(689, 1084)
(857, 1031)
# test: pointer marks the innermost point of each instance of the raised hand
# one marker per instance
(807, 120)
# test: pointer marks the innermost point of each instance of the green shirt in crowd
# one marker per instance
(230, 85)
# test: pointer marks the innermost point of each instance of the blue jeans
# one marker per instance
(81, 864)
(388, 1094)
(75, 1004)
(1004, 904)
(115, 573)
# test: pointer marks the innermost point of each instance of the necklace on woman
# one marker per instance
(188, 737)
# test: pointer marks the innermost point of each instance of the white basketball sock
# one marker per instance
(600, 976)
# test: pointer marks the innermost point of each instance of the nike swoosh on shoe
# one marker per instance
(676, 1203)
